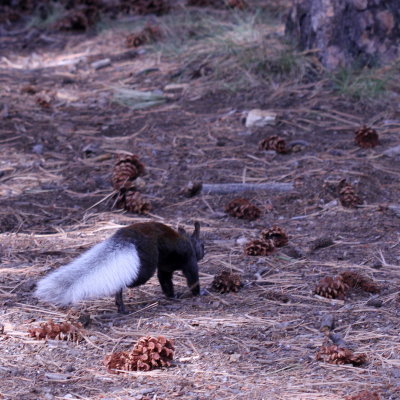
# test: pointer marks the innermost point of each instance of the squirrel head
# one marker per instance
(197, 243)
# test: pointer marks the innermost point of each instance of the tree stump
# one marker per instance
(347, 32)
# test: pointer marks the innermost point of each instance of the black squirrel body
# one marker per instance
(129, 258)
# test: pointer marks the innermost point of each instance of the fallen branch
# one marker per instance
(194, 188)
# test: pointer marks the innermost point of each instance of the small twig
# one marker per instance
(194, 188)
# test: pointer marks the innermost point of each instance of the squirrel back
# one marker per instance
(129, 258)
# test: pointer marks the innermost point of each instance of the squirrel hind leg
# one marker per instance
(119, 302)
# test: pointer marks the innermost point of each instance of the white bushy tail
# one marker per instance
(101, 271)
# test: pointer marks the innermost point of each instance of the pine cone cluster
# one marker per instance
(132, 201)
(242, 208)
(332, 288)
(364, 395)
(357, 280)
(276, 234)
(366, 137)
(334, 354)
(59, 331)
(259, 247)
(149, 34)
(147, 354)
(226, 281)
(126, 169)
(348, 196)
(273, 143)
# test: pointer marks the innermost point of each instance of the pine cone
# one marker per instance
(364, 395)
(357, 280)
(135, 203)
(277, 234)
(348, 196)
(226, 281)
(332, 288)
(366, 137)
(242, 208)
(149, 34)
(334, 354)
(273, 143)
(59, 331)
(126, 169)
(259, 248)
(148, 353)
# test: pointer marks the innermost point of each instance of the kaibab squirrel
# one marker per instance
(129, 258)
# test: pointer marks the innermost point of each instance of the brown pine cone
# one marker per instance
(277, 234)
(226, 281)
(259, 247)
(357, 280)
(332, 288)
(364, 395)
(273, 143)
(366, 137)
(57, 331)
(126, 169)
(348, 196)
(147, 354)
(135, 203)
(242, 208)
(334, 354)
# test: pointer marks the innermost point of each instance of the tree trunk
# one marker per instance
(347, 32)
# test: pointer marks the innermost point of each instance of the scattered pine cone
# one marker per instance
(364, 395)
(149, 34)
(357, 280)
(334, 354)
(332, 288)
(242, 208)
(348, 196)
(132, 201)
(273, 143)
(148, 353)
(259, 247)
(59, 331)
(277, 234)
(366, 137)
(126, 169)
(226, 281)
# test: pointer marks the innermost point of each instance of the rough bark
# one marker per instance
(347, 32)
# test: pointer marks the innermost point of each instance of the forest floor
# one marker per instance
(63, 123)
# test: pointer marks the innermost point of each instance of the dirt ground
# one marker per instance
(60, 131)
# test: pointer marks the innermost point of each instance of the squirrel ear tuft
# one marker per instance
(196, 232)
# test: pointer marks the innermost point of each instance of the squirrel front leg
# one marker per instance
(191, 273)
(165, 279)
